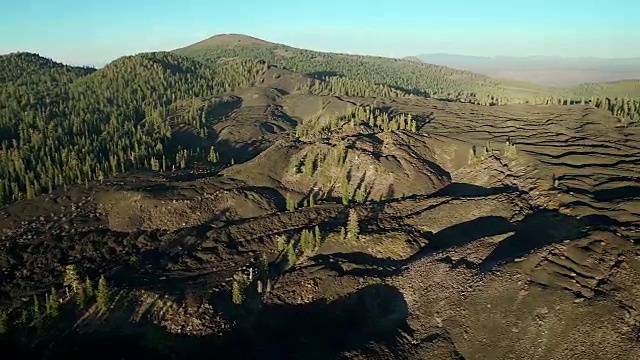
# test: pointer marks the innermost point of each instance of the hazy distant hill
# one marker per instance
(545, 70)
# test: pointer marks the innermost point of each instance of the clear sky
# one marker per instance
(92, 32)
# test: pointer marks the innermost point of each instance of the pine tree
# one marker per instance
(263, 268)
(353, 227)
(345, 193)
(307, 241)
(71, 277)
(291, 203)
(281, 242)
(103, 297)
(88, 288)
(4, 322)
(54, 303)
(81, 297)
(308, 165)
(238, 288)
(213, 155)
(291, 256)
(318, 237)
(360, 195)
(37, 313)
(24, 318)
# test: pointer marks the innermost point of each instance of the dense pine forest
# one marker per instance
(63, 125)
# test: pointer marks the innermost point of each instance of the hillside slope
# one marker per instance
(410, 76)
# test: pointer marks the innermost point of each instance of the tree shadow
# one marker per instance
(619, 193)
(241, 151)
(321, 75)
(469, 231)
(316, 330)
(223, 108)
(535, 231)
(470, 190)
(367, 264)
(321, 330)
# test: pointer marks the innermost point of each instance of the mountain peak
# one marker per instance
(235, 39)
(412, 59)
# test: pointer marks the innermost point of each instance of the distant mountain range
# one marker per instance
(546, 70)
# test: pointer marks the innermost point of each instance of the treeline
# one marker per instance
(70, 126)
(375, 119)
(410, 77)
(623, 107)
(338, 85)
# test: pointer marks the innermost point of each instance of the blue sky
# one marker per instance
(98, 31)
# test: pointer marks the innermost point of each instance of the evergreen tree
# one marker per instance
(345, 193)
(88, 288)
(308, 165)
(37, 314)
(24, 318)
(263, 268)
(318, 237)
(103, 296)
(291, 203)
(360, 195)
(71, 278)
(353, 227)
(307, 241)
(54, 303)
(4, 322)
(213, 155)
(291, 256)
(238, 288)
(81, 297)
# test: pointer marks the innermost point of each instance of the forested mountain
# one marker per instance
(63, 125)
(28, 69)
(409, 76)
